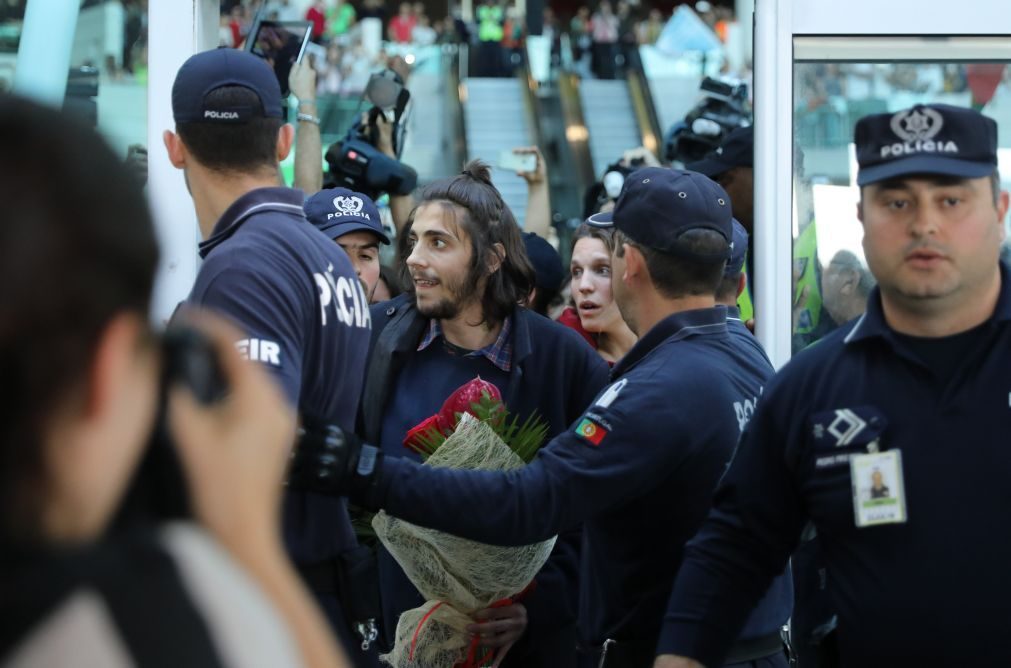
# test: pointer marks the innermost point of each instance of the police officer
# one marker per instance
(777, 603)
(914, 393)
(291, 289)
(734, 286)
(732, 165)
(352, 220)
(639, 466)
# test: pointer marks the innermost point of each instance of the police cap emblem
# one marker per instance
(919, 123)
(348, 206)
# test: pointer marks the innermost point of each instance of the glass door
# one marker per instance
(836, 81)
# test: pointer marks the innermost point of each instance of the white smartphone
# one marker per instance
(517, 162)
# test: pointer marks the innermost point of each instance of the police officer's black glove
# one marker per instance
(327, 460)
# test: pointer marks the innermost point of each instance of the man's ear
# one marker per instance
(1002, 207)
(635, 265)
(860, 210)
(742, 282)
(495, 258)
(176, 149)
(285, 138)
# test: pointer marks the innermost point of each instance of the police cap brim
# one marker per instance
(341, 228)
(924, 164)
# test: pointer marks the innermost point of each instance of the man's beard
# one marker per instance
(461, 293)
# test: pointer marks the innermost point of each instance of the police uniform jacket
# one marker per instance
(294, 294)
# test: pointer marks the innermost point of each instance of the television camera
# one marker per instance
(723, 108)
(356, 162)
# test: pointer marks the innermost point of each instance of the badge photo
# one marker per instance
(878, 490)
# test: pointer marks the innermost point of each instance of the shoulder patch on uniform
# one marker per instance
(591, 431)
(612, 392)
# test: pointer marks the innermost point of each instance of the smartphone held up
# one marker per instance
(517, 162)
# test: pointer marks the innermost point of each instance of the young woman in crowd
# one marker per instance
(595, 314)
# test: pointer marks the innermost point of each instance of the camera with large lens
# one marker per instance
(356, 161)
(158, 489)
(723, 108)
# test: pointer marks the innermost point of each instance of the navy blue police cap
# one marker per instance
(925, 139)
(738, 252)
(547, 262)
(338, 211)
(658, 205)
(736, 150)
(207, 71)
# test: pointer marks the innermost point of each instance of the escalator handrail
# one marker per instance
(529, 87)
(455, 82)
(643, 105)
(574, 117)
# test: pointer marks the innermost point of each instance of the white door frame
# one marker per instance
(176, 30)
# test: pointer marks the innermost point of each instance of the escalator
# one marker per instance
(456, 118)
(497, 117)
(581, 126)
(604, 118)
(610, 121)
(434, 142)
(620, 115)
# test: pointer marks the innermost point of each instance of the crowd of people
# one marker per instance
(693, 499)
(605, 36)
(603, 39)
(609, 33)
(830, 96)
(334, 21)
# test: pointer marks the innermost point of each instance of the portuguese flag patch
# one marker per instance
(591, 431)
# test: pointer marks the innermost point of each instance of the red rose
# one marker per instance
(463, 400)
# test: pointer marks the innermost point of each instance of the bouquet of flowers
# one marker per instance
(458, 577)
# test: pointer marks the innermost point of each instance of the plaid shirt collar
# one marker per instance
(499, 353)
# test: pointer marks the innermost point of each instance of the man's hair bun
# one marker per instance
(478, 170)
